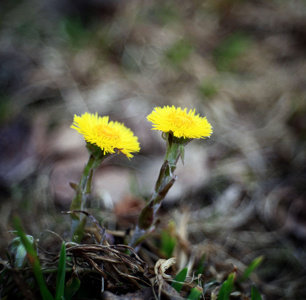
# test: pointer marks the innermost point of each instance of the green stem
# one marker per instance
(166, 177)
(83, 188)
(78, 221)
(78, 202)
(164, 182)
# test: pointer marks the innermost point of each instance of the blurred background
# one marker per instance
(240, 63)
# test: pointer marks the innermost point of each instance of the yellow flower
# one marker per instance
(106, 135)
(180, 123)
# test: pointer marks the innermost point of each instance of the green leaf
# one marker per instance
(253, 265)
(179, 280)
(226, 287)
(72, 287)
(195, 294)
(18, 251)
(33, 260)
(61, 273)
(255, 295)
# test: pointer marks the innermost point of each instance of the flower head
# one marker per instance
(180, 123)
(106, 135)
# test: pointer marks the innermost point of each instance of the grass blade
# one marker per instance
(168, 243)
(195, 294)
(60, 280)
(255, 295)
(253, 265)
(34, 261)
(179, 280)
(226, 287)
(200, 268)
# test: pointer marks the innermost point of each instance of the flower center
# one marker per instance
(180, 119)
(107, 132)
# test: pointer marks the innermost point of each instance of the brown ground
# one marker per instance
(239, 195)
